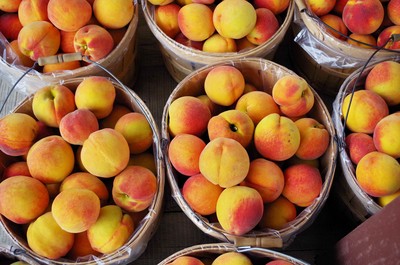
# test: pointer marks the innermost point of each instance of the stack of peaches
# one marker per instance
(79, 172)
(40, 28)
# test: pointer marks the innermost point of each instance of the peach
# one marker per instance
(32, 10)
(166, 18)
(182, 39)
(137, 131)
(279, 262)
(224, 162)
(234, 124)
(46, 238)
(114, 15)
(97, 94)
(93, 41)
(117, 112)
(160, 2)
(276, 137)
(293, 95)
(134, 188)
(224, 84)
(266, 177)
(303, 184)
(384, 80)
(20, 58)
(339, 6)
(145, 159)
(378, 174)
(320, 8)
(336, 26)
(63, 66)
(184, 153)
(249, 88)
(10, 26)
(363, 41)
(314, 138)
(239, 209)
(188, 21)
(67, 41)
(214, 108)
(266, 26)
(278, 214)
(385, 35)
(233, 258)
(358, 145)
(217, 43)
(17, 133)
(23, 199)
(363, 17)
(201, 194)
(111, 231)
(244, 44)
(81, 247)
(188, 114)
(18, 168)
(385, 200)
(386, 136)
(186, 260)
(51, 159)
(84, 180)
(276, 6)
(366, 110)
(393, 11)
(9, 5)
(39, 39)
(234, 18)
(69, 15)
(105, 153)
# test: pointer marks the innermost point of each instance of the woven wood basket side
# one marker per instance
(10, 255)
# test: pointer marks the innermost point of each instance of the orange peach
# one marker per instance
(115, 14)
(51, 159)
(319, 7)
(184, 153)
(303, 184)
(358, 145)
(20, 58)
(39, 39)
(97, 94)
(266, 177)
(294, 160)
(378, 174)
(386, 135)
(182, 39)
(67, 41)
(279, 262)
(366, 110)
(81, 247)
(9, 5)
(201, 194)
(278, 213)
(363, 41)
(214, 108)
(363, 17)
(145, 159)
(117, 112)
(166, 18)
(385, 35)
(266, 26)
(46, 238)
(10, 26)
(232, 258)
(186, 260)
(276, 137)
(69, 15)
(160, 2)
(224, 162)
(224, 85)
(276, 6)
(393, 11)
(105, 153)
(339, 6)
(63, 66)
(17, 133)
(18, 168)
(32, 10)
(23, 199)
(188, 21)
(385, 200)
(219, 44)
(244, 44)
(239, 209)
(335, 26)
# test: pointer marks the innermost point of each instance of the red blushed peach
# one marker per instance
(76, 126)
(184, 152)
(224, 161)
(363, 17)
(186, 260)
(339, 6)
(64, 66)
(166, 18)
(188, 114)
(10, 26)
(303, 183)
(32, 10)
(69, 15)
(358, 145)
(21, 58)
(22, 199)
(13, 140)
(188, 21)
(336, 27)
(378, 174)
(117, 112)
(81, 247)
(9, 5)
(276, 6)
(386, 135)
(201, 194)
(217, 43)
(19, 168)
(362, 41)
(278, 213)
(266, 177)
(239, 209)
(182, 39)
(93, 41)
(393, 11)
(67, 41)
(266, 26)
(115, 14)
(39, 39)
(320, 8)
(233, 258)
(384, 36)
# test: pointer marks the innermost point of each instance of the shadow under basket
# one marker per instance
(263, 74)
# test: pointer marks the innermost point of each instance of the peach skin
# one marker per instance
(278, 213)
(32, 10)
(363, 41)
(393, 11)
(386, 136)
(266, 26)
(64, 66)
(279, 262)
(385, 200)
(75, 127)
(363, 17)
(276, 6)
(166, 18)
(320, 8)
(10, 26)
(81, 247)
(117, 112)
(336, 27)
(115, 14)
(188, 21)
(186, 260)
(19, 168)
(358, 145)
(9, 5)
(385, 35)
(219, 44)
(233, 258)
(20, 57)
(69, 15)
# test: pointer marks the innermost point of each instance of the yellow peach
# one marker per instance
(81, 247)
(20, 57)
(385, 200)
(393, 11)
(76, 126)
(114, 14)
(117, 112)
(266, 26)
(166, 18)
(18, 168)
(10, 26)
(69, 15)
(32, 10)
(320, 8)
(219, 44)
(9, 5)
(232, 258)
(386, 136)
(363, 41)
(336, 26)
(188, 21)
(278, 213)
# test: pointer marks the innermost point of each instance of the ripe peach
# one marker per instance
(336, 26)
(239, 209)
(378, 174)
(166, 18)
(51, 159)
(214, 108)
(385, 200)
(244, 44)
(9, 5)
(393, 11)
(105, 153)
(22, 199)
(224, 161)
(114, 15)
(224, 85)
(20, 58)
(13, 140)
(69, 15)
(233, 258)
(39, 39)
(320, 8)
(266, 26)
(386, 135)
(10, 26)
(67, 41)
(293, 95)
(201, 194)
(46, 238)
(366, 110)
(278, 213)
(384, 80)
(234, 18)
(279, 262)
(18, 168)
(363, 17)
(182, 39)
(160, 2)
(339, 6)
(303, 183)
(145, 159)
(362, 41)
(188, 21)
(184, 152)
(32, 10)
(358, 145)
(186, 260)
(111, 230)
(276, 137)
(64, 66)
(188, 114)
(81, 247)
(266, 177)
(276, 6)
(385, 35)
(117, 112)
(219, 44)
(93, 41)
(97, 94)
